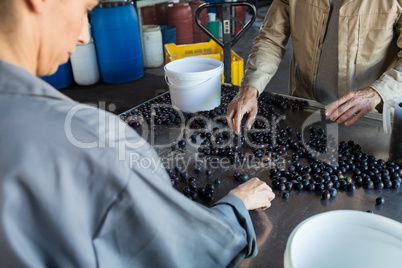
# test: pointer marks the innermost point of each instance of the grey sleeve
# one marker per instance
(153, 225)
(232, 209)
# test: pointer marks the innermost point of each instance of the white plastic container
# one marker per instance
(387, 111)
(194, 83)
(395, 152)
(153, 47)
(211, 16)
(347, 239)
(85, 64)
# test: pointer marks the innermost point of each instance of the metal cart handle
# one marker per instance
(226, 28)
(228, 41)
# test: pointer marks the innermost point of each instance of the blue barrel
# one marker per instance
(117, 41)
(168, 34)
(62, 78)
(213, 9)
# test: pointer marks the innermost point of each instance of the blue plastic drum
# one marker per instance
(168, 34)
(62, 78)
(117, 40)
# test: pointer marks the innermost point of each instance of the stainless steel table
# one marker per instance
(274, 225)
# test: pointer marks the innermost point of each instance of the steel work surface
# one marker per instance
(274, 225)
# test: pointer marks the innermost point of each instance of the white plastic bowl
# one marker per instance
(345, 238)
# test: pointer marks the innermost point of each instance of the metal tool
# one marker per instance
(227, 31)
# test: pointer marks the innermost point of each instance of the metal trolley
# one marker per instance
(228, 23)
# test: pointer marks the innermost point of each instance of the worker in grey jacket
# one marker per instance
(69, 194)
(346, 53)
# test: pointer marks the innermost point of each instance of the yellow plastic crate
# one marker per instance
(209, 50)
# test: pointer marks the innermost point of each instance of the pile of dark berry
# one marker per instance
(160, 108)
(190, 188)
(345, 166)
(355, 168)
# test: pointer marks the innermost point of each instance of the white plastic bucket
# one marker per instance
(152, 44)
(389, 105)
(84, 64)
(347, 239)
(194, 83)
(395, 148)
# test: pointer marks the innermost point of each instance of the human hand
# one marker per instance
(244, 102)
(255, 194)
(353, 106)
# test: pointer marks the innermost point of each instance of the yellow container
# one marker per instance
(209, 50)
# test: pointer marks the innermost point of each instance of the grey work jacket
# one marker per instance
(75, 191)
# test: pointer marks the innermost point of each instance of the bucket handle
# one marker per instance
(185, 87)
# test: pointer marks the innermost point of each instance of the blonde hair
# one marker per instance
(7, 16)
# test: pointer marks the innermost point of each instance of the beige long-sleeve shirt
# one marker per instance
(369, 46)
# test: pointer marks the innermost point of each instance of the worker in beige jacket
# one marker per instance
(345, 52)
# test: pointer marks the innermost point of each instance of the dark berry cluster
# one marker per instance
(176, 146)
(190, 188)
(284, 103)
(355, 168)
(243, 177)
(159, 110)
(319, 141)
(315, 161)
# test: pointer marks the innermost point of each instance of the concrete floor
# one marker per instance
(118, 98)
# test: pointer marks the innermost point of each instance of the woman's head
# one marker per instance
(47, 31)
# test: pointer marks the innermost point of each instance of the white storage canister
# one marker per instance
(152, 44)
(85, 64)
